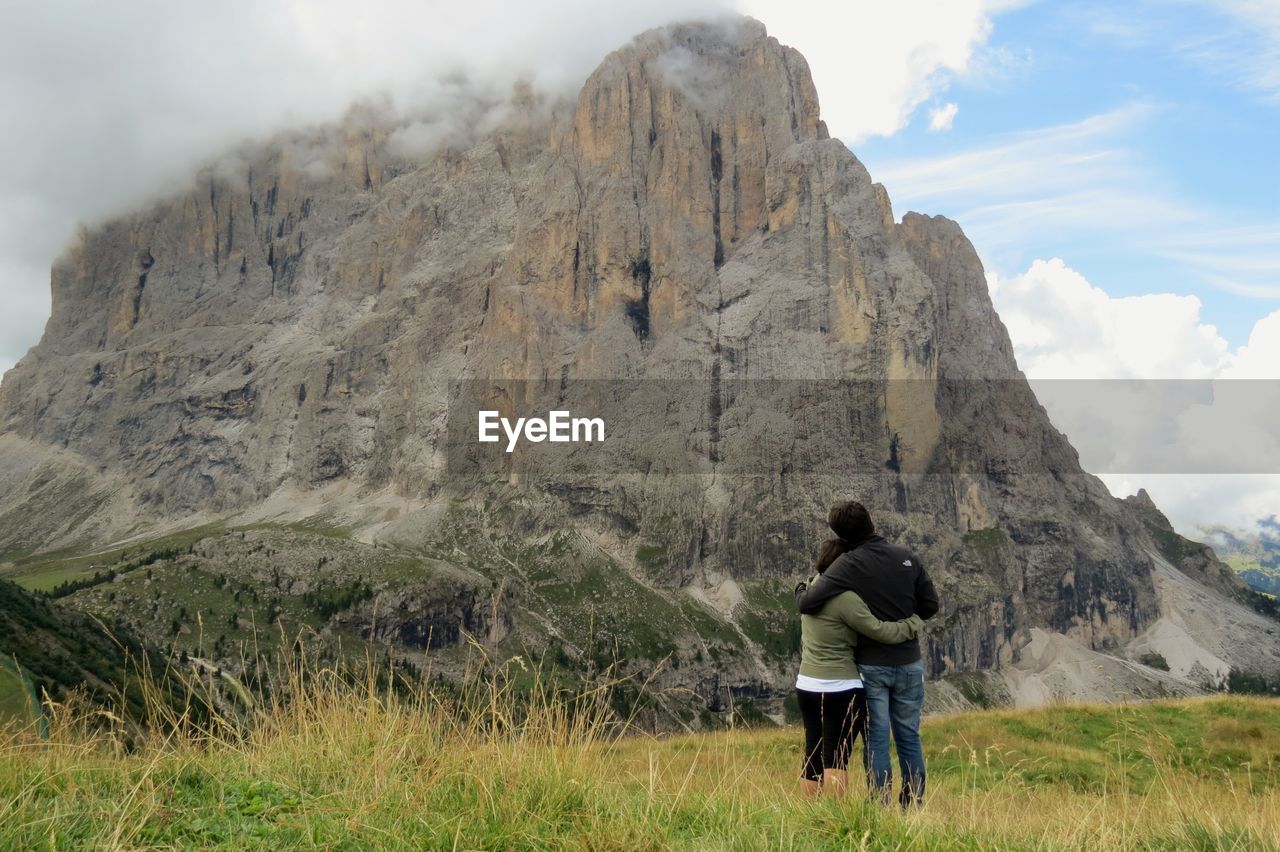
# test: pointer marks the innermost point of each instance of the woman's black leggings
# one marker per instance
(832, 721)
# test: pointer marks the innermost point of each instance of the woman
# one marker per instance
(832, 703)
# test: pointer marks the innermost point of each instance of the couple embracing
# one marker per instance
(861, 672)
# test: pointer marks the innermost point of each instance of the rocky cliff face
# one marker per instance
(287, 339)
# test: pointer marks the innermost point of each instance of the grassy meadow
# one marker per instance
(348, 766)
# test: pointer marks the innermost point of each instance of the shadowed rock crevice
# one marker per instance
(638, 308)
(717, 172)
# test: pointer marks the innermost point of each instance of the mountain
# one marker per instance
(290, 356)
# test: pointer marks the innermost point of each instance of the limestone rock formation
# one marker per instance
(288, 337)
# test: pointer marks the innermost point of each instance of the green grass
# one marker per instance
(342, 766)
(16, 701)
(44, 571)
(1093, 749)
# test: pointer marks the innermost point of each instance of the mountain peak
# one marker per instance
(684, 145)
(724, 65)
(1142, 504)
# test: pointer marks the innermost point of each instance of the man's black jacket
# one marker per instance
(893, 582)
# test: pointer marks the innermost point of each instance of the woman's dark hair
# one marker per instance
(831, 550)
(851, 521)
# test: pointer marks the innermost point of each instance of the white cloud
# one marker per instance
(1150, 395)
(875, 64)
(1065, 328)
(1196, 501)
(1260, 357)
(941, 118)
(1082, 180)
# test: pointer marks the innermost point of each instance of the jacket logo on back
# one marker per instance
(907, 563)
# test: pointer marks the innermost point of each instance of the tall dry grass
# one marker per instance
(334, 758)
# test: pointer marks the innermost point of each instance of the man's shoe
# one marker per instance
(908, 800)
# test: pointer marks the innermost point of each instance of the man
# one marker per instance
(894, 584)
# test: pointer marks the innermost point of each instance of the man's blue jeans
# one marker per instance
(895, 695)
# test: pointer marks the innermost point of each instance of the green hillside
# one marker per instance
(1259, 577)
(67, 656)
(225, 595)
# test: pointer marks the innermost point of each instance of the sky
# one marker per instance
(1113, 164)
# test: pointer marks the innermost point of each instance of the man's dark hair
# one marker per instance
(851, 521)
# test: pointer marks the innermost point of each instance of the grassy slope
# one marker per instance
(345, 771)
(586, 596)
(44, 571)
(264, 582)
(68, 654)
